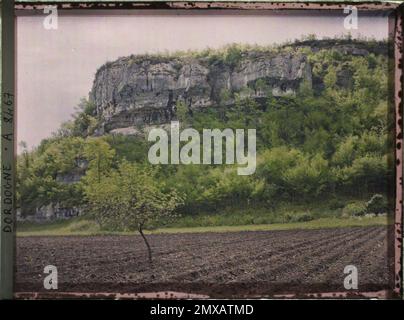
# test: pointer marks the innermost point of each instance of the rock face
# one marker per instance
(138, 91)
(132, 92)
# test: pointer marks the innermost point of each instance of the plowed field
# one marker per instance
(233, 264)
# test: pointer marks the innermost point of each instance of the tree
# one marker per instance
(40, 174)
(100, 155)
(292, 172)
(131, 197)
(24, 186)
(182, 112)
(233, 55)
(330, 79)
(377, 204)
(84, 121)
(24, 155)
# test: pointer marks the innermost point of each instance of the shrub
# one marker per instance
(377, 204)
(336, 204)
(303, 217)
(353, 209)
(233, 55)
(298, 217)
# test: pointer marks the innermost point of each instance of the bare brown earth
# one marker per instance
(233, 264)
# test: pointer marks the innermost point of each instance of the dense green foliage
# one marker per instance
(318, 145)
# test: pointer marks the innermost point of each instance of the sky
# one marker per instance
(56, 68)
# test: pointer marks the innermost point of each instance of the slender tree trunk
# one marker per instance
(147, 244)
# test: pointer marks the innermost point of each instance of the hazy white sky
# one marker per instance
(55, 68)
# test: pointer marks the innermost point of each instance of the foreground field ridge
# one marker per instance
(81, 227)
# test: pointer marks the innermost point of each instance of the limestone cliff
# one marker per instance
(138, 91)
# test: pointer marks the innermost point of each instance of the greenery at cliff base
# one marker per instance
(83, 227)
